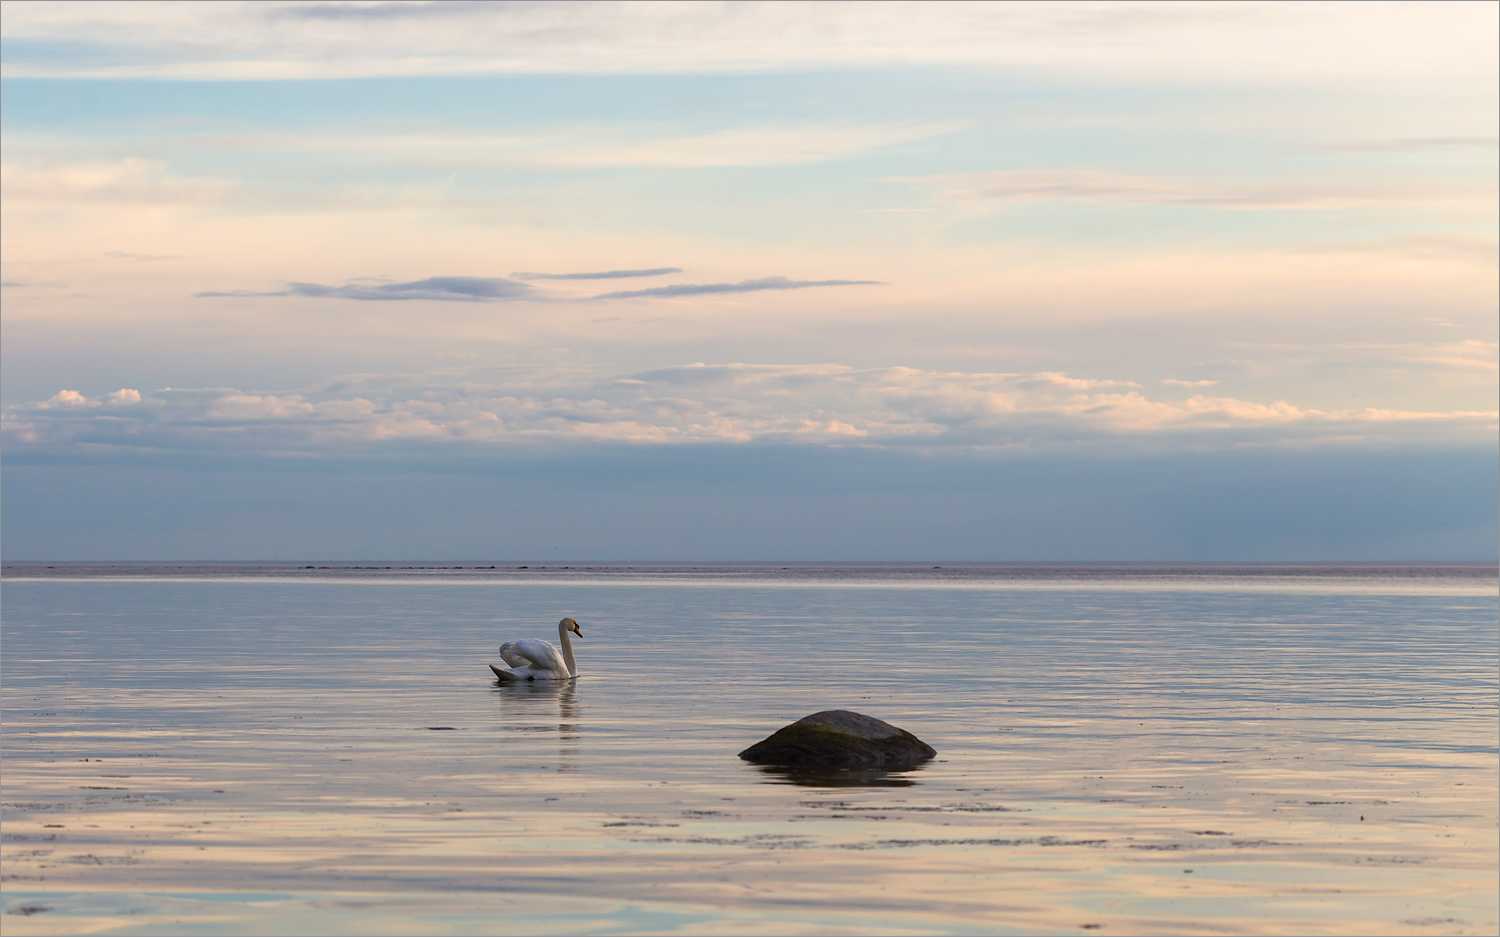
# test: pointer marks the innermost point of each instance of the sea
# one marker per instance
(320, 748)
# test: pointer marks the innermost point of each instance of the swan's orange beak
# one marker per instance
(576, 630)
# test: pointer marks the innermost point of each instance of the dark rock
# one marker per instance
(838, 738)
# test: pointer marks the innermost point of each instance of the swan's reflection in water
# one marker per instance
(837, 777)
(532, 707)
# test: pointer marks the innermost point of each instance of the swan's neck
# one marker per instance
(567, 648)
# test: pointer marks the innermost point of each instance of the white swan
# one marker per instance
(533, 659)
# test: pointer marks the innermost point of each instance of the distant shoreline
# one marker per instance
(1471, 578)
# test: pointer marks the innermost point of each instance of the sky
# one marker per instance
(742, 281)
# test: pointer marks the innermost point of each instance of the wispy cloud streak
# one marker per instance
(601, 275)
(744, 286)
(451, 289)
(1100, 187)
(1414, 145)
(598, 144)
(500, 289)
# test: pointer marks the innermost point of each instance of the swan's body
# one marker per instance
(533, 659)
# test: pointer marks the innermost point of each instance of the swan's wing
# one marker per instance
(540, 654)
(509, 655)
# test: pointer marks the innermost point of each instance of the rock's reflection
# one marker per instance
(837, 777)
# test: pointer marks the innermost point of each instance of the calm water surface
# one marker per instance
(269, 749)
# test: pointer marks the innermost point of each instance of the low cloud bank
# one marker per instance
(826, 405)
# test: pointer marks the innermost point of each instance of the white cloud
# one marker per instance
(700, 403)
(1349, 43)
(65, 398)
(73, 399)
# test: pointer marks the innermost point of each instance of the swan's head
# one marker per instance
(571, 625)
